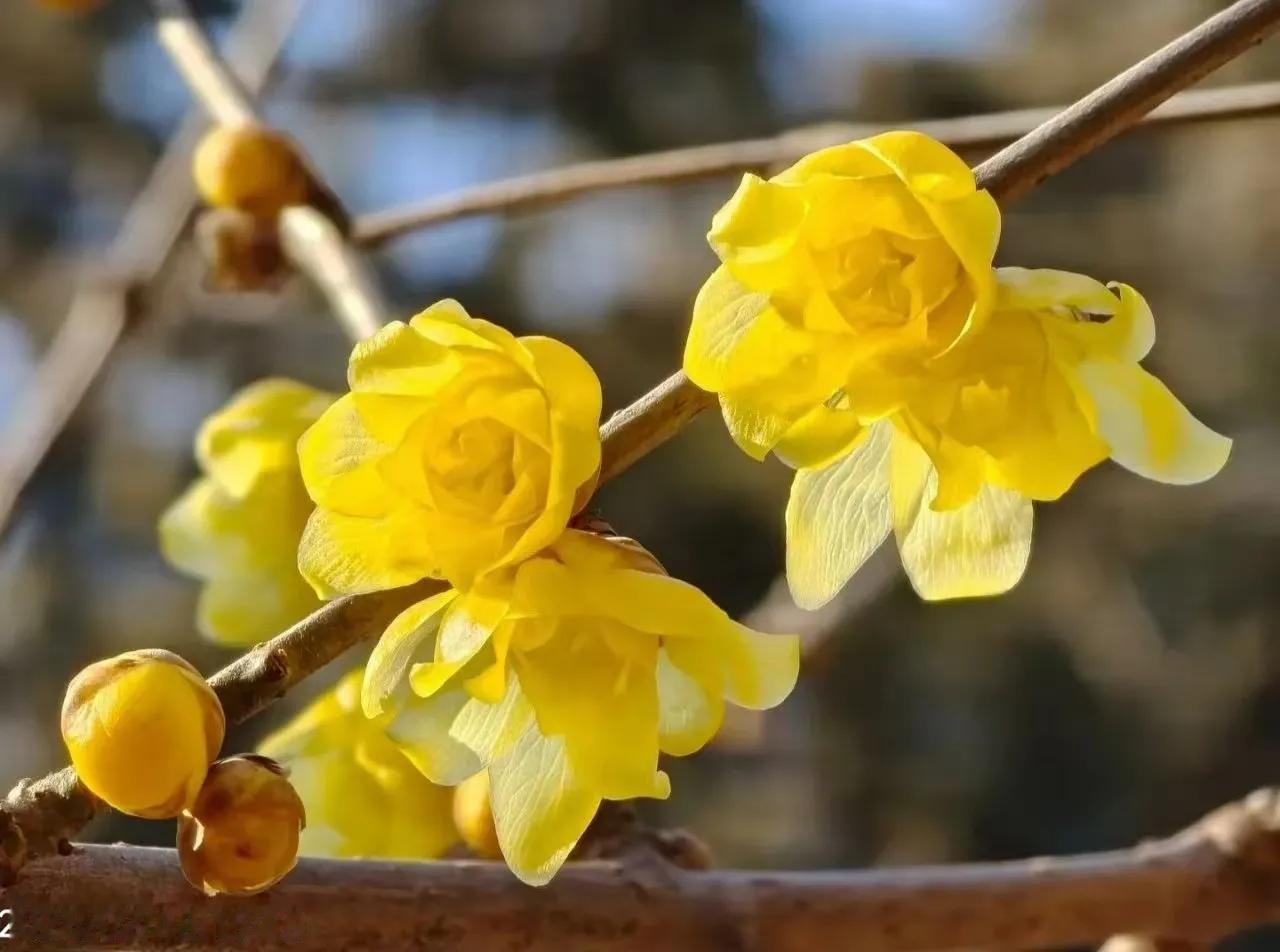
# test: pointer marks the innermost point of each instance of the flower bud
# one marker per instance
(473, 816)
(241, 834)
(141, 729)
(251, 168)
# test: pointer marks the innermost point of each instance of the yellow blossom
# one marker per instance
(238, 526)
(861, 254)
(141, 729)
(563, 678)
(1046, 389)
(459, 449)
(363, 796)
(240, 836)
(473, 816)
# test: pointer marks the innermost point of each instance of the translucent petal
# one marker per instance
(342, 555)
(978, 549)
(836, 517)
(491, 730)
(400, 360)
(690, 712)
(407, 638)
(540, 807)
(761, 668)
(447, 323)
(1126, 333)
(242, 610)
(819, 438)
(572, 387)
(421, 728)
(723, 313)
(338, 458)
(1148, 430)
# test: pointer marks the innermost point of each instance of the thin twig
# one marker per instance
(1214, 879)
(103, 306)
(312, 241)
(33, 824)
(963, 133)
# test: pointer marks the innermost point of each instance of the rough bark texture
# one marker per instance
(1217, 877)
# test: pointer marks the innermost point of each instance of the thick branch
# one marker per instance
(103, 306)
(963, 133)
(254, 681)
(311, 237)
(1216, 878)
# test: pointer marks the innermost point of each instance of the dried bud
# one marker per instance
(473, 816)
(251, 168)
(241, 834)
(241, 253)
(142, 728)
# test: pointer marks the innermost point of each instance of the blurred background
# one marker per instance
(1130, 683)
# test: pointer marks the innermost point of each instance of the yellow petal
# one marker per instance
(836, 517)
(605, 706)
(755, 425)
(1148, 430)
(344, 555)
(924, 165)
(447, 323)
(198, 531)
(690, 712)
(758, 225)
(400, 360)
(1101, 322)
(540, 807)
(255, 433)
(819, 438)
(338, 458)
(761, 668)
(385, 685)
(421, 729)
(242, 610)
(978, 549)
(572, 387)
(492, 730)
(723, 313)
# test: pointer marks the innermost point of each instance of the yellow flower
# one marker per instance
(241, 834)
(858, 255)
(1048, 388)
(563, 678)
(363, 796)
(473, 816)
(459, 449)
(141, 729)
(238, 527)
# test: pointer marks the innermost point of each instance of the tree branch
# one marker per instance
(37, 817)
(1214, 879)
(312, 237)
(964, 134)
(105, 303)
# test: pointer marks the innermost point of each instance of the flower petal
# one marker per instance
(836, 517)
(979, 549)
(689, 711)
(491, 730)
(421, 728)
(723, 313)
(572, 386)
(540, 806)
(386, 676)
(819, 438)
(344, 555)
(338, 457)
(400, 360)
(1149, 431)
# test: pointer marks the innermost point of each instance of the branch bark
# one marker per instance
(37, 817)
(970, 134)
(1214, 879)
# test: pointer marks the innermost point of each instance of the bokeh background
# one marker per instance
(1129, 684)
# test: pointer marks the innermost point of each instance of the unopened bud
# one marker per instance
(141, 729)
(250, 168)
(241, 834)
(473, 816)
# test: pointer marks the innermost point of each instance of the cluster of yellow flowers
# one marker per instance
(857, 329)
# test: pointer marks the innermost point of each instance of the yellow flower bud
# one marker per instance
(241, 834)
(473, 816)
(254, 169)
(141, 729)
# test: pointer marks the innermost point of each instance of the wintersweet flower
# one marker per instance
(1047, 389)
(238, 526)
(460, 449)
(564, 678)
(363, 797)
(857, 255)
